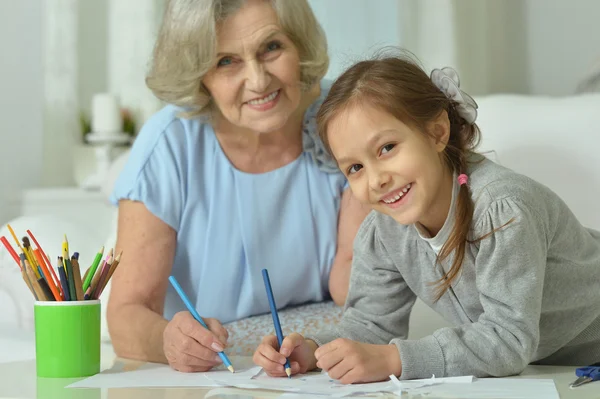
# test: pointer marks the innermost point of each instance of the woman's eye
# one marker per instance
(387, 148)
(224, 61)
(272, 46)
(354, 168)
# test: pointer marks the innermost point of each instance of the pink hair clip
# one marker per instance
(462, 179)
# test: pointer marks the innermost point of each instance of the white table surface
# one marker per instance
(18, 380)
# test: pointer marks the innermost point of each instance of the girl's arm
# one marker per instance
(352, 214)
(510, 267)
(379, 300)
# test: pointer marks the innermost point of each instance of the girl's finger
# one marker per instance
(329, 360)
(339, 370)
(271, 353)
(271, 368)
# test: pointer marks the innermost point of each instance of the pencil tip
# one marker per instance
(288, 371)
(230, 368)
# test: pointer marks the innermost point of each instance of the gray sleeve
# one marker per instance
(510, 266)
(379, 300)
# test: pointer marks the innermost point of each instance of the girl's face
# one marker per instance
(392, 167)
(256, 81)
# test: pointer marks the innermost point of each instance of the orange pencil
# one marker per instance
(54, 277)
(46, 273)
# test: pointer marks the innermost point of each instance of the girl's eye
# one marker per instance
(272, 46)
(224, 61)
(354, 168)
(387, 148)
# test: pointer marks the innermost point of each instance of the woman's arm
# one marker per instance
(352, 214)
(138, 288)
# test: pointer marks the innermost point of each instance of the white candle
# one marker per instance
(106, 114)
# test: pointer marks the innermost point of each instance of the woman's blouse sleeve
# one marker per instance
(153, 172)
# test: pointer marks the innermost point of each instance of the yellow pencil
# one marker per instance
(12, 232)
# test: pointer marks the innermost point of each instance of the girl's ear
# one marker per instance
(440, 131)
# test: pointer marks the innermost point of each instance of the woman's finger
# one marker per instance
(217, 328)
(189, 346)
(190, 327)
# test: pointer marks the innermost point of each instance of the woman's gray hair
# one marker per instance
(185, 49)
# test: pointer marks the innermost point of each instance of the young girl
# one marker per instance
(497, 254)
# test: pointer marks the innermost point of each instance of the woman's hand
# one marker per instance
(299, 351)
(353, 362)
(189, 347)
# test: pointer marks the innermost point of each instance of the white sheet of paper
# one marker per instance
(251, 377)
(154, 375)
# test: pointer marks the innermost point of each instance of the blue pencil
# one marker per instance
(265, 273)
(194, 313)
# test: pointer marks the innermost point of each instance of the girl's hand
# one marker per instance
(299, 352)
(353, 362)
(189, 347)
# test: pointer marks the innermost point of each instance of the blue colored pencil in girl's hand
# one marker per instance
(199, 319)
(265, 274)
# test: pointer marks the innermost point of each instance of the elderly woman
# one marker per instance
(228, 179)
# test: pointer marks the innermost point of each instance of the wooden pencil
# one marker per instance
(77, 278)
(26, 277)
(96, 283)
(112, 269)
(41, 296)
(53, 289)
(31, 257)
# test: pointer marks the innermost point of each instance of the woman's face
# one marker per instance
(255, 83)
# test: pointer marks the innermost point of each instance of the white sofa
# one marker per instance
(553, 140)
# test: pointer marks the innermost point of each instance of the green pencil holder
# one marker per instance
(67, 338)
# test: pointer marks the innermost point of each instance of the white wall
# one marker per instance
(355, 28)
(92, 47)
(564, 41)
(21, 97)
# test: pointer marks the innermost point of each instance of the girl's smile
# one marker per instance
(397, 197)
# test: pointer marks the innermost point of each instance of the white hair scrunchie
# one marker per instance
(447, 80)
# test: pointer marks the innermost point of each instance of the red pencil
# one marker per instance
(11, 250)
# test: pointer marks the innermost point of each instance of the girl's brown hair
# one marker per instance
(400, 87)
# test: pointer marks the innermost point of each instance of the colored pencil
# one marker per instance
(47, 261)
(12, 233)
(26, 276)
(63, 280)
(70, 278)
(111, 271)
(100, 274)
(30, 257)
(39, 293)
(77, 277)
(10, 250)
(46, 273)
(265, 273)
(194, 313)
(92, 270)
(45, 289)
